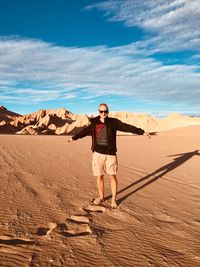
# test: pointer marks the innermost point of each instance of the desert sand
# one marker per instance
(46, 218)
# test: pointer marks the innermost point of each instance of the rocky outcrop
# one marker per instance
(150, 124)
(55, 121)
(73, 128)
(7, 115)
(143, 121)
(63, 122)
(30, 129)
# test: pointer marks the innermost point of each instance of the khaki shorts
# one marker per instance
(104, 163)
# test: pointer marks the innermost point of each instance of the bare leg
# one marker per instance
(100, 186)
(114, 184)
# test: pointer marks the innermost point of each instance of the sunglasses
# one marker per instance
(103, 111)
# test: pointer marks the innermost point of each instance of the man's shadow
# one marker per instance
(179, 160)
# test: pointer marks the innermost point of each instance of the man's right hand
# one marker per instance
(147, 134)
(69, 140)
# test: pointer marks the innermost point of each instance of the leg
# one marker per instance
(114, 184)
(111, 169)
(98, 170)
(100, 186)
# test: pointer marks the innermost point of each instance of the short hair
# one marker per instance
(103, 104)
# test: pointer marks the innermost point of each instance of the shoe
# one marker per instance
(114, 205)
(97, 201)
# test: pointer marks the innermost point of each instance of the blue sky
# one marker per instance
(139, 56)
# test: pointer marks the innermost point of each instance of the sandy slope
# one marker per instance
(46, 219)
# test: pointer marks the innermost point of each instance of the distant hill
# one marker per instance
(54, 121)
(151, 124)
(7, 115)
(63, 122)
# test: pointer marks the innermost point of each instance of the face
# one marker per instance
(103, 111)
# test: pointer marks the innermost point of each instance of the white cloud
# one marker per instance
(34, 71)
(176, 23)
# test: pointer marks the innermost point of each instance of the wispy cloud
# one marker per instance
(34, 71)
(175, 24)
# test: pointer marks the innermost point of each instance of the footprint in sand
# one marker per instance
(42, 231)
(165, 218)
(80, 230)
(92, 208)
(82, 227)
(79, 219)
(8, 240)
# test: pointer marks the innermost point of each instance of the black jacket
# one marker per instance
(112, 125)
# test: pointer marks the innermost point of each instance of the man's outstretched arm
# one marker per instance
(124, 127)
(84, 132)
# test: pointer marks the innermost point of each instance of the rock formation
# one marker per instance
(7, 115)
(63, 122)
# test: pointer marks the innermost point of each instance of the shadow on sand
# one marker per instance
(179, 160)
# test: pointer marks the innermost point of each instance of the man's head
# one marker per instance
(103, 110)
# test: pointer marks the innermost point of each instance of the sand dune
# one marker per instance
(46, 218)
(187, 131)
(151, 124)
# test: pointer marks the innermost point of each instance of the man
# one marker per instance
(103, 130)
